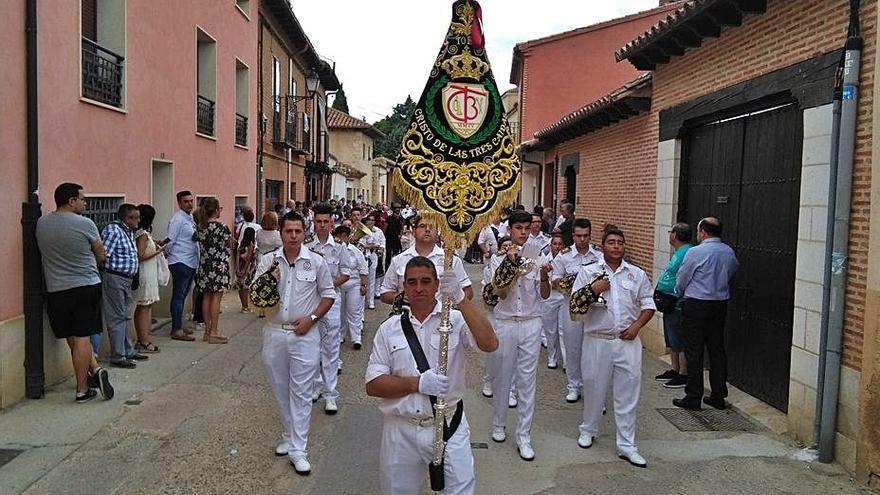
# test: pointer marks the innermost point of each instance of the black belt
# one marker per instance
(120, 274)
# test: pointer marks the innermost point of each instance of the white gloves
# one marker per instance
(450, 286)
(430, 383)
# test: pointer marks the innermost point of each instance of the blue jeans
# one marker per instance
(181, 281)
(96, 339)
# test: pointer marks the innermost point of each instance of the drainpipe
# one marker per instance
(261, 122)
(840, 212)
(35, 377)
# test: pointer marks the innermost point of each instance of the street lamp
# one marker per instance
(312, 81)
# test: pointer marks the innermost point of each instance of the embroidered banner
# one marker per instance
(458, 163)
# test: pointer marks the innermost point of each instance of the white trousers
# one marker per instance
(327, 379)
(372, 261)
(573, 337)
(291, 365)
(603, 362)
(353, 309)
(407, 449)
(552, 330)
(519, 346)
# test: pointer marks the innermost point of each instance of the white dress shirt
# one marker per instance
(391, 355)
(524, 297)
(542, 241)
(570, 262)
(393, 281)
(182, 248)
(302, 284)
(630, 293)
(335, 255)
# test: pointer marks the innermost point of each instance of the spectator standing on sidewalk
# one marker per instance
(182, 250)
(704, 282)
(118, 282)
(70, 248)
(215, 241)
(393, 231)
(679, 238)
(147, 292)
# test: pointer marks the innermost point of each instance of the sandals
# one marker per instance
(215, 339)
(148, 348)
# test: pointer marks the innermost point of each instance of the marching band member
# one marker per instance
(517, 292)
(614, 299)
(407, 394)
(425, 245)
(338, 262)
(372, 246)
(551, 311)
(536, 236)
(566, 266)
(354, 289)
(291, 341)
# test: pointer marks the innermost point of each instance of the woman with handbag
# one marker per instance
(147, 293)
(668, 303)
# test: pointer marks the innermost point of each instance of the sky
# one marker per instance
(384, 49)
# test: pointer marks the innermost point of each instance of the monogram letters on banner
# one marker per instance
(458, 163)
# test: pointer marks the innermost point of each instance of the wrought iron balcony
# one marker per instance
(286, 131)
(205, 116)
(241, 129)
(101, 73)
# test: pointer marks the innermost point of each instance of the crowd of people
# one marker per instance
(544, 283)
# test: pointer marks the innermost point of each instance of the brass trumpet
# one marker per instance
(358, 232)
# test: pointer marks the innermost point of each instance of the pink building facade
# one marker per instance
(137, 100)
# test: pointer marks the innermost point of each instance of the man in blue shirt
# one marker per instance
(703, 280)
(182, 252)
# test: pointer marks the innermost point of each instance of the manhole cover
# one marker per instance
(707, 420)
(7, 455)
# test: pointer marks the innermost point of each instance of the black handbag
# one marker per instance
(665, 302)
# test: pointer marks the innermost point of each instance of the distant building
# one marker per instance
(352, 144)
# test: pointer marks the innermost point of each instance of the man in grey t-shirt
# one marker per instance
(71, 249)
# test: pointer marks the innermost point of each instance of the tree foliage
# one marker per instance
(393, 127)
(340, 102)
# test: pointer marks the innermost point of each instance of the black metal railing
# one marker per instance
(101, 73)
(205, 116)
(286, 129)
(241, 129)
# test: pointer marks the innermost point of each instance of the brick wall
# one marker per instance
(617, 182)
(790, 32)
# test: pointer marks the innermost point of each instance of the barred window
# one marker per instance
(102, 209)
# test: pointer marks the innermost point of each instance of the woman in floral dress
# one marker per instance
(215, 241)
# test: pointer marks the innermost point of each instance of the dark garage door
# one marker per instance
(746, 171)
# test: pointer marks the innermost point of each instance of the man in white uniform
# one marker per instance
(518, 324)
(354, 289)
(372, 246)
(612, 350)
(536, 237)
(568, 264)
(393, 375)
(341, 268)
(291, 341)
(551, 311)
(425, 245)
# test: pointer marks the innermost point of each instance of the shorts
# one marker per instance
(672, 331)
(75, 312)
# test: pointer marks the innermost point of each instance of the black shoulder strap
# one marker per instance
(414, 345)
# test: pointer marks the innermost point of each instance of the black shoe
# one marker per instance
(689, 404)
(104, 385)
(138, 357)
(82, 398)
(666, 375)
(356, 346)
(678, 382)
(92, 379)
(123, 363)
(719, 403)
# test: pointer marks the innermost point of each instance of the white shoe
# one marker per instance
(282, 448)
(487, 389)
(301, 465)
(498, 434)
(511, 401)
(552, 365)
(526, 452)
(585, 440)
(330, 406)
(633, 457)
(572, 396)
(316, 394)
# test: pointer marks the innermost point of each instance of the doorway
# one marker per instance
(162, 196)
